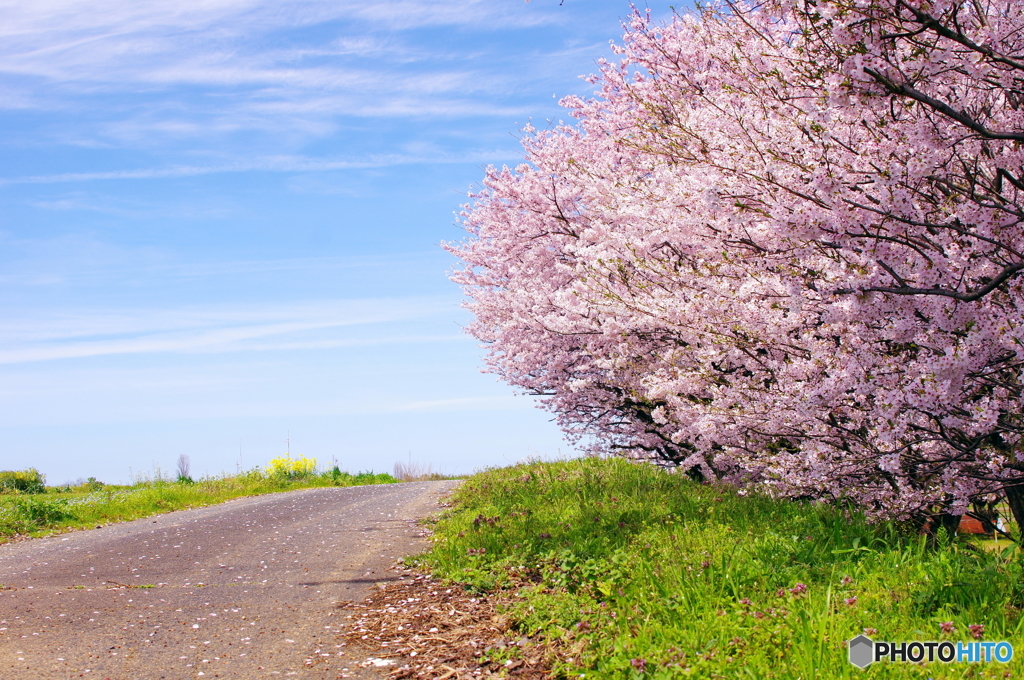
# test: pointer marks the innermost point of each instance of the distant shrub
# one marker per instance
(24, 481)
(43, 512)
(340, 478)
(335, 474)
(185, 470)
(252, 476)
(416, 472)
(373, 478)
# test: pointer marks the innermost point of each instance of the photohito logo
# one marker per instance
(864, 651)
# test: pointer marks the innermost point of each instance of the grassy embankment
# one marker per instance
(634, 572)
(51, 509)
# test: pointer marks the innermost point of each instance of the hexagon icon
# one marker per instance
(862, 651)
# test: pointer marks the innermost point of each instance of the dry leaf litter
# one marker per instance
(421, 628)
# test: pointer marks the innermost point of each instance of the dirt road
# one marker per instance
(245, 589)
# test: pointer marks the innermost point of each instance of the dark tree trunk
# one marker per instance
(949, 522)
(932, 522)
(987, 513)
(1015, 498)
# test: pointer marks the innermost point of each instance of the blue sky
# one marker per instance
(219, 224)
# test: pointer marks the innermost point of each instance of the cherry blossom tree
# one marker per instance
(781, 247)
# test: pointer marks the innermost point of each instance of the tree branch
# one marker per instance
(928, 21)
(910, 92)
(1007, 273)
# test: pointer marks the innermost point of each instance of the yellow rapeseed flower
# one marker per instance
(286, 466)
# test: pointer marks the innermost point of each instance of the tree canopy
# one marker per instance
(781, 246)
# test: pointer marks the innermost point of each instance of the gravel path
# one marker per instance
(245, 589)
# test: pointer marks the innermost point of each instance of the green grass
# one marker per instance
(93, 503)
(635, 572)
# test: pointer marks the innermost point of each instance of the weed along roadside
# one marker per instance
(30, 508)
(610, 569)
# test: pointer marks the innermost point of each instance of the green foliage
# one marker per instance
(43, 512)
(339, 478)
(22, 481)
(365, 478)
(643, 573)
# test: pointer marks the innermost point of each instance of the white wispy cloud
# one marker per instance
(271, 76)
(51, 51)
(265, 164)
(502, 403)
(79, 262)
(81, 20)
(209, 329)
(359, 342)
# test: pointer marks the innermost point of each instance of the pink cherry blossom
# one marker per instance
(780, 247)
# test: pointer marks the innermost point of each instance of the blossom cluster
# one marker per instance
(780, 247)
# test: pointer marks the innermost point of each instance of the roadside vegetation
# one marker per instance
(629, 571)
(30, 508)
